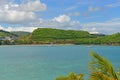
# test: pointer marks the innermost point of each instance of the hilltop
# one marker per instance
(49, 33)
(57, 36)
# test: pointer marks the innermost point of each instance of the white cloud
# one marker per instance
(107, 27)
(33, 6)
(11, 12)
(62, 18)
(60, 22)
(94, 32)
(27, 29)
(45, 24)
(54, 24)
(29, 6)
(12, 16)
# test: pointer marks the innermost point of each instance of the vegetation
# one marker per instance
(11, 38)
(20, 33)
(111, 39)
(58, 33)
(72, 76)
(59, 36)
(101, 69)
(5, 33)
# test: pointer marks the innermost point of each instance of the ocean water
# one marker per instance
(49, 62)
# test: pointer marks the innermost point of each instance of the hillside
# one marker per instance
(20, 33)
(59, 36)
(5, 33)
(48, 35)
(111, 39)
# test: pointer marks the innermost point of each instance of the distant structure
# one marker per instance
(8, 38)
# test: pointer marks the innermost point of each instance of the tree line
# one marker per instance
(59, 36)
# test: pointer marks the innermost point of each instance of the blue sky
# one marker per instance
(94, 16)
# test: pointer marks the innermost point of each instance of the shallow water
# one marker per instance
(48, 62)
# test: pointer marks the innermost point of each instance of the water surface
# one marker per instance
(48, 62)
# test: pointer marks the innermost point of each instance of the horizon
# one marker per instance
(27, 15)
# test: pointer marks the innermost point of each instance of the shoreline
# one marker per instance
(60, 45)
(39, 45)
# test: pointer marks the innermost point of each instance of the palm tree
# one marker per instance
(72, 76)
(101, 68)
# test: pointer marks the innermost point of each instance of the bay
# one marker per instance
(49, 62)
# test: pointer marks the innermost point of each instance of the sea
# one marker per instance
(48, 62)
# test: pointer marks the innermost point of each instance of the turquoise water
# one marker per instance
(48, 62)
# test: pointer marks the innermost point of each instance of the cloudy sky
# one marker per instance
(95, 16)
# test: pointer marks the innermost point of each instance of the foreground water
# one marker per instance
(48, 62)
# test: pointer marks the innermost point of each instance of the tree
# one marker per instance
(72, 76)
(101, 68)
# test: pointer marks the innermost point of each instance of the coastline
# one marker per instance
(61, 45)
(39, 45)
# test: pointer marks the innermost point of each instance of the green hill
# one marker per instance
(48, 35)
(58, 34)
(5, 33)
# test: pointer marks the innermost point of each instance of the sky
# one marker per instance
(94, 16)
